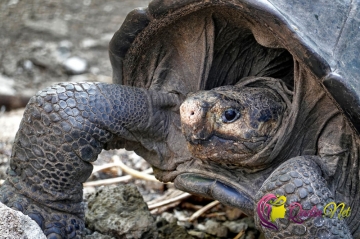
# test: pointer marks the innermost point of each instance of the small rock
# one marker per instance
(173, 231)
(14, 224)
(121, 212)
(13, 2)
(185, 224)
(197, 234)
(169, 217)
(216, 229)
(201, 227)
(108, 8)
(65, 44)
(102, 43)
(87, 2)
(75, 65)
(7, 85)
(235, 226)
(87, 191)
(249, 221)
(89, 43)
(180, 215)
(28, 65)
(64, 49)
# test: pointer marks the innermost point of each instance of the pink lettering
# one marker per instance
(269, 206)
(298, 215)
(293, 213)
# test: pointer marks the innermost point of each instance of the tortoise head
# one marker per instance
(230, 124)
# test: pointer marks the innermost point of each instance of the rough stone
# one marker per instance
(216, 228)
(197, 234)
(14, 225)
(169, 217)
(248, 221)
(75, 65)
(120, 211)
(173, 231)
(235, 226)
(7, 85)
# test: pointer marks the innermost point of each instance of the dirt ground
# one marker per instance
(38, 36)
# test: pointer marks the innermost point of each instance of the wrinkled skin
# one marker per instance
(230, 125)
(64, 129)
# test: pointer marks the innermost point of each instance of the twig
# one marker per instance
(240, 234)
(133, 172)
(114, 164)
(191, 206)
(164, 208)
(202, 210)
(118, 163)
(216, 214)
(107, 181)
(171, 200)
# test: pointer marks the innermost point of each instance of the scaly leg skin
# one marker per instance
(299, 180)
(64, 128)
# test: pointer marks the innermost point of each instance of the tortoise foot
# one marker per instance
(54, 223)
(295, 201)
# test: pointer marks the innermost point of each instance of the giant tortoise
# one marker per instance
(254, 103)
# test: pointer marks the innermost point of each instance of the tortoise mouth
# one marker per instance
(231, 185)
(207, 186)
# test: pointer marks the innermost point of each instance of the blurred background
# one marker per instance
(43, 42)
(47, 41)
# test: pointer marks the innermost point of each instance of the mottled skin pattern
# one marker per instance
(64, 129)
(248, 120)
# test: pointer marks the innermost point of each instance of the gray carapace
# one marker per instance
(322, 36)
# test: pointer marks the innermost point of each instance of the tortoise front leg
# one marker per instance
(298, 187)
(64, 128)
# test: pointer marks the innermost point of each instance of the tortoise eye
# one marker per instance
(230, 115)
